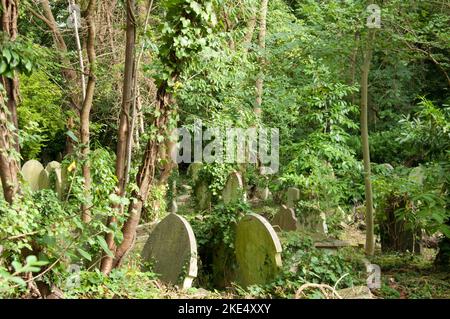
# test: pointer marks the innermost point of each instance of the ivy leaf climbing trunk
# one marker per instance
(146, 175)
(9, 86)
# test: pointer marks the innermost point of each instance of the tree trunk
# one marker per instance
(262, 61)
(9, 142)
(125, 131)
(86, 110)
(249, 33)
(146, 175)
(370, 241)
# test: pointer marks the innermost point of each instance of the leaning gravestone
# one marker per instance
(172, 250)
(258, 251)
(194, 170)
(202, 195)
(285, 219)
(292, 196)
(234, 189)
(31, 171)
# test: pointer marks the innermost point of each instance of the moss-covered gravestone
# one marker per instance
(258, 251)
(285, 219)
(292, 197)
(202, 195)
(234, 189)
(171, 249)
(31, 172)
(194, 170)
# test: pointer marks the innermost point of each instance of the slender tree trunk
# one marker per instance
(125, 131)
(9, 142)
(86, 110)
(249, 33)
(370, 240)
(353, 61)
(262, 61)
(146, 175)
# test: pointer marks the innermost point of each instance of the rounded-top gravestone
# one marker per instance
(171, 249)
(234, 189)
(285, 219)
(31, 172)
(258, 251)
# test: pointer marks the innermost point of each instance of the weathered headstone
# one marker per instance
(258, 251)
(202, 195)
(292, 196)
(312, 220)
(194, 170)
(234, 189)
(417, 175)
(55, 177)
(44, 182)
(285, 219)
(263, 193)
(31, 171)
(172, 250)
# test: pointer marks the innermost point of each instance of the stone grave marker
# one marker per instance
(194, 170)
(234, 189)
(263, 193)
(292, 196)
(258, 251)
(172, 250)
(417, 175)
(202, 195)
(313, 221)
(55, 177)
(31, 171)
(285, 219)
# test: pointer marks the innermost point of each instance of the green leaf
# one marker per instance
(72, 136)
(85, 254)
(3, 67)
(7, 54)
(17, 266)
(18, 281)
(196, 7)
(102, 242)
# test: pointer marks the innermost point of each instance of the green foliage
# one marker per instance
(10, 281)
(419, 205)
(41, 117)
(18, 55)
(187, 24)
(127, 283)
(302, 263)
